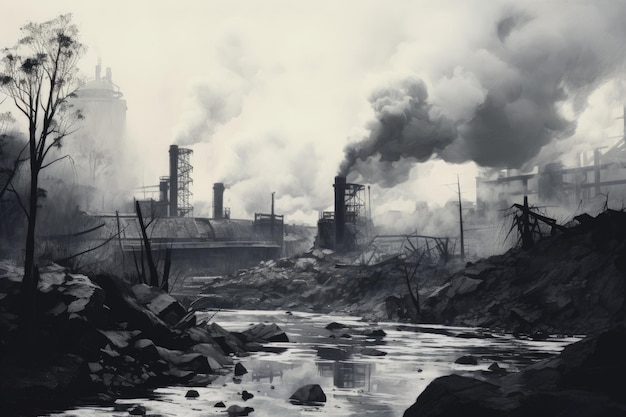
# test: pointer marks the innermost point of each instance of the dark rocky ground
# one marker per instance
(569, 283)
(97, 338)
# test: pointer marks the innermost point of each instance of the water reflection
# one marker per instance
(348, 374)
(355, 383)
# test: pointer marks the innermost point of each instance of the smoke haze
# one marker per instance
(520, 84)
(275, 96)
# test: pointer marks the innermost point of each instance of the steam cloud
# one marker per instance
(499, 103)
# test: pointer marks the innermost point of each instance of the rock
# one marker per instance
(201, 380)
(265, 333)
(124, 308)
(163, 305)
(214, 356)
(467, 360)
(220, 404)
(237, 410)
(138, 410)
(94, 367)
(376, 333)
(192, 393)
(240, 369)
(226, 340)
(308, 394)
(462, 285)
(331, 353)
(455, 395)
(583, 380)
(211, 301)
(372, 352)
(335, 326)
(120, 338)
(497, 369)
(146, 350)
(318, 254)
(195, 362)
(245, 395)
(305, 264)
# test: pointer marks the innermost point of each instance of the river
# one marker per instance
(355, 384)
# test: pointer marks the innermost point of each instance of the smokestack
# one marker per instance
(340, 211)
(163, 189)
(109, 76)
(173, 181)
(98, 71)
(218, 200)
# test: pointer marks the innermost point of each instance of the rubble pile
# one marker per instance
(98, 338)
(319, 280)
(572, 282)
(569, 283)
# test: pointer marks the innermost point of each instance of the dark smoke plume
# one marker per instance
(405, 129)
(530, 66)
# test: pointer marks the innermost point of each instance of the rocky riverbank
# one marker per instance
(570, 283)
(95, 339)
(585, 380)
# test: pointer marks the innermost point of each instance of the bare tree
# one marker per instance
(40, 75)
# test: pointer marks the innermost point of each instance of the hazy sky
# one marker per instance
(269, 93)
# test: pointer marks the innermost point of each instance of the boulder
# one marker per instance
(245, 395)
(455, 395)
(163, 305)
(240, 369)
(305, 264)
(462, 285)
(265, 333)
(124, 308)
(192, 393)
(308, 394)
(225, 339)
(146, 350)
(195, 362)
(467, 360)
(584, 380)
(214, 356)
(372, 352)
(335, 326)
(237, 410)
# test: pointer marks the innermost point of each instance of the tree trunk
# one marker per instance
(154, 276)
(31, 277)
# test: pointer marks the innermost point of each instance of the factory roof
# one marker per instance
(181, 229)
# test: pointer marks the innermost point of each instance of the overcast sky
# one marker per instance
(269, 93)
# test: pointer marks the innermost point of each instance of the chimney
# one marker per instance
(98, 71)
(340, 211)
(109, 77)
(163, 189)
(173, 181)
(218, 200)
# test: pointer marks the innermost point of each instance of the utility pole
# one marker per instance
(272, 218)
(458, 185)
(369, 209)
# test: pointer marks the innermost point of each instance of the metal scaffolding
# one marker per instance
(354, 202)
(185, 207)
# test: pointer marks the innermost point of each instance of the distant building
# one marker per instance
(97, 160)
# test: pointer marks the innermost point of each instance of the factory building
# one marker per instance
(218, 245)
(103, 129)
(343, 229)
(599, 180)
